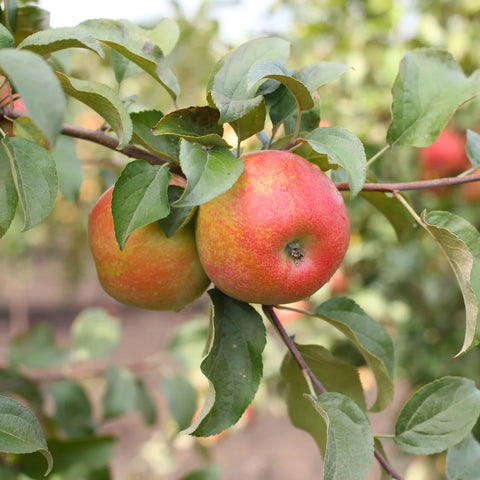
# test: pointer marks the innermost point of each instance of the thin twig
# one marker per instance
(290, 344)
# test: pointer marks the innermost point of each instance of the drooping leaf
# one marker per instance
(473, 147)
(36, 180)
(277, 71)
(8, 190)
(144, 403)
(233, 365)
(463, 460)
(54, 39)
(334, 375)
(166, 146)
(139, 198)
(178, 216)
(460, 241)
(20, 431)
(210, 172)
(438, 416)
(195, 124)
(393, 210)
(25, 127)
(6, 38)
(119, 65)
(95, 333)
(251, 123)
(181, 398)
(73, 411)
(429, 87)
(317, 74)
(69, 167)
(74, 458)
(30, 19)
(349, 451)
(344, 149)
(37, 348)
(371, 339)
(38, 87)
(104, 101)
(228, 85)
(127, 39)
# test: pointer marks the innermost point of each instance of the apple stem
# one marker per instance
(312, 381)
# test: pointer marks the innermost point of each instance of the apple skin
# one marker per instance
(278, 234)
(152, 272)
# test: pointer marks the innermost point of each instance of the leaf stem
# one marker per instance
(312, 381)
(377, 155)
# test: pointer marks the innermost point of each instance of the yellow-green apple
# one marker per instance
(445, 157)
(153, 271)
(278, 234)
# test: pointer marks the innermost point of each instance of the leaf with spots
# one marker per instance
(233, 364)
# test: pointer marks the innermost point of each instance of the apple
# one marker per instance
(152, 272)
(278, 234)
(18, 104)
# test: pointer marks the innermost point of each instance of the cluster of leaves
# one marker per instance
(254, 92)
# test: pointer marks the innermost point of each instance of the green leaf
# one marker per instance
(195, 124)
(20, 431)
(131, 42)
(178, 216)
(165, 34)
(349, 451)
(14, 383)
(317, 74)
(69, 167)
(371, 339)
(125, 392)
(463, 460)
(335, 376)
(233, 364)
(145, 404)
(139, 198)
(429, 87)
(38, 87)
(438, 416)
(212, 472)
(6, 38)
(95, 334)
(209, 172)
(166, 146)
(344, 149)
(276, 70)
(25, 127)
(104, 101)
(460, 241)
(473, 147)
(251, 123)
(73, 412)
(36, 348)
(8, 190)
(54, 39)
(181, 399)
(393, 210)
(119, 65)
(35, 178)
(229, 83)
(74, 458)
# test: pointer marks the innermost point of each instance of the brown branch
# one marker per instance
(290, 344)
(416, 185)
(101, 138)
(132, 151)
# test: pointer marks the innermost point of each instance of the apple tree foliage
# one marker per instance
(255, 92)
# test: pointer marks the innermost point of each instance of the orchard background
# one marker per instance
(106, 390)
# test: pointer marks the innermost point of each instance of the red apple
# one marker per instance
(152, 271)
(278, 234)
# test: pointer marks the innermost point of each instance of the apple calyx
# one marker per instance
(295, 251)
